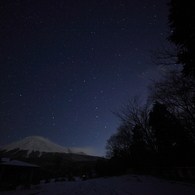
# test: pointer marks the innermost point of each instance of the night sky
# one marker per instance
(64, 65)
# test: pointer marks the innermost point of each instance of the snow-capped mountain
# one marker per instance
(39, 147)
(35, 143)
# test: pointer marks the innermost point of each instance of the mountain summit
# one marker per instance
(36, 146)
(35, 143)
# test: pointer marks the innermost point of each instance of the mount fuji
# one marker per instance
(35, 143)
(36, 147)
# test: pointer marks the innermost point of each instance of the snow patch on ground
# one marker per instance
(123, 185)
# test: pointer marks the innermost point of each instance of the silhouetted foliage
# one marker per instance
(139, 148)
(119, 143)
(161, 132)
(182, 24)
(177, 93)
(135, 112)
(170, 138)
(181, 49)
(119, 147)
(132, 144)
(152, 137)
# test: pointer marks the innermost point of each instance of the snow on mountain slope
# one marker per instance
(35, 143)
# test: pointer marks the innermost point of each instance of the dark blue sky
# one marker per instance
(66, 64)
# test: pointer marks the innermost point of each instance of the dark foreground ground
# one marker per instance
(123, 185)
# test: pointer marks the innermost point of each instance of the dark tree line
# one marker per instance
(161, 132)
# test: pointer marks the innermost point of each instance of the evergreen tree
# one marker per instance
(171, 140)
(182, 24)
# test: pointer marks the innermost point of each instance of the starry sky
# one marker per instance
(64, 65)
